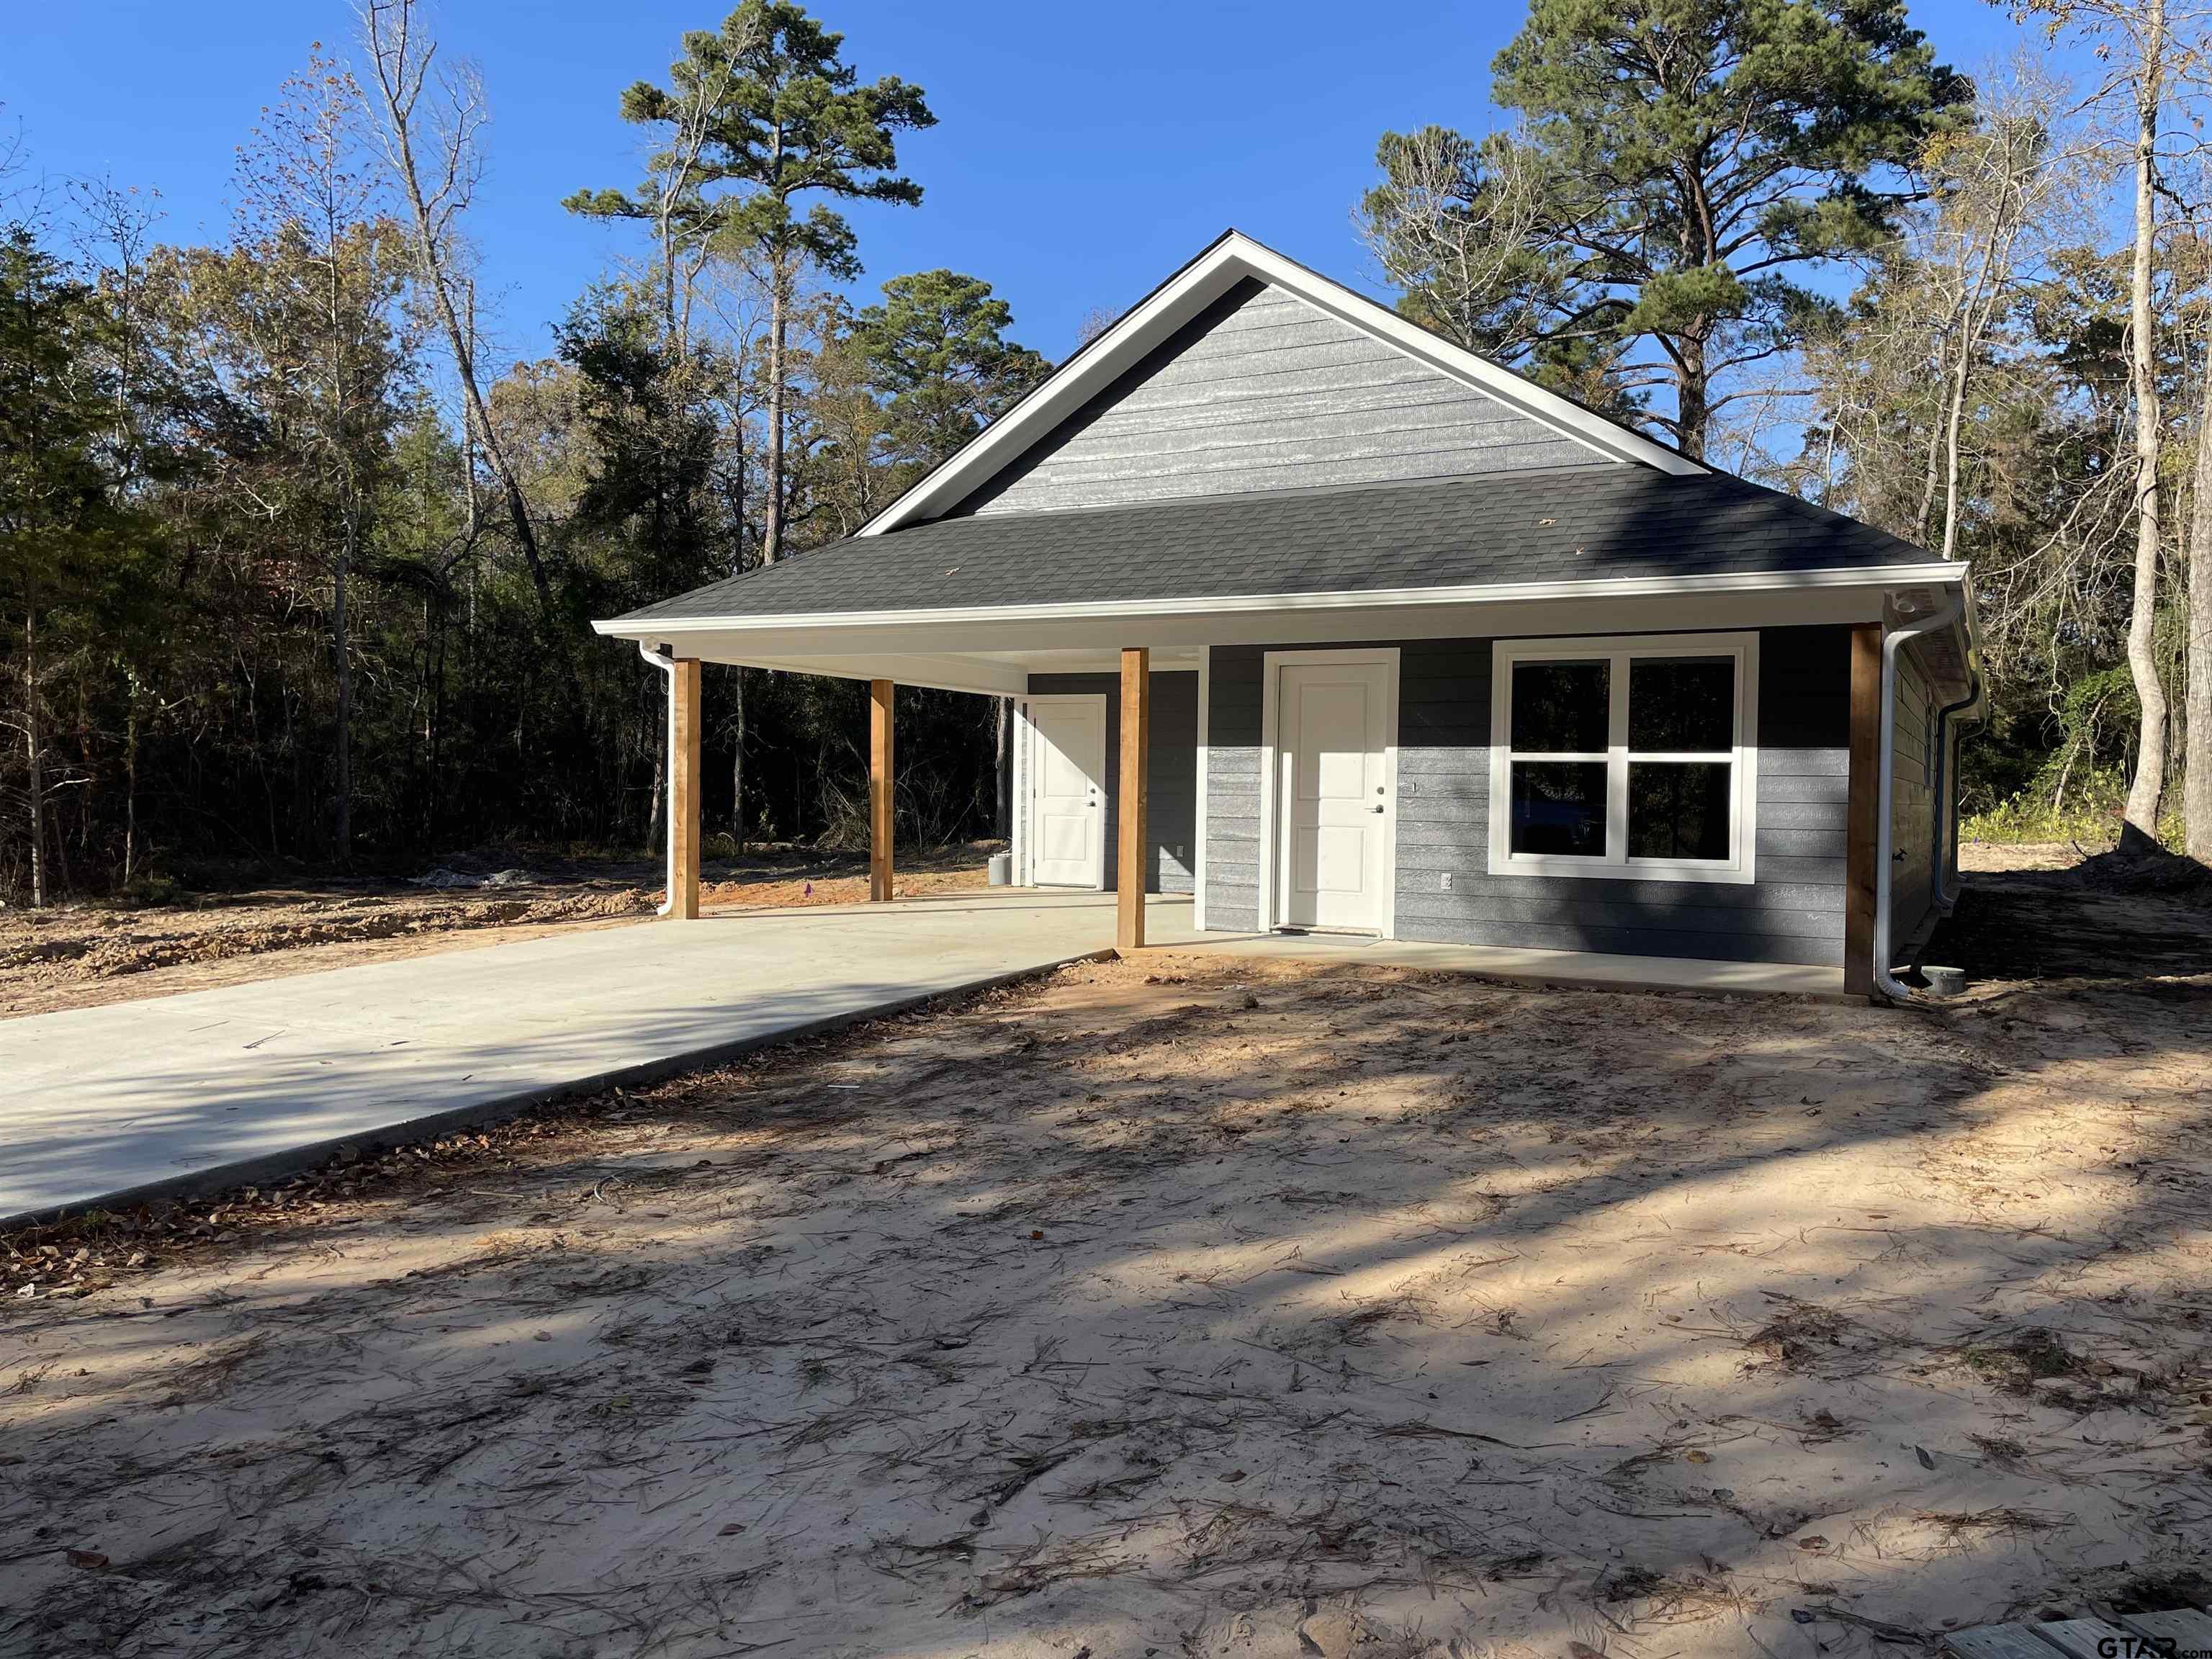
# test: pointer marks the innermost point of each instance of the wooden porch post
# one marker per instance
(879, 790)
(1135, 837)
(683, 792)
(1862, 810)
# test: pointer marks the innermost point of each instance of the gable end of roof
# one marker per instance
(972, 477)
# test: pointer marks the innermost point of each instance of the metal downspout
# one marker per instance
(1884, 832)
(665, 661)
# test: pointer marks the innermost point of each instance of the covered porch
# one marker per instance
(1154, 671)
(1125, 774)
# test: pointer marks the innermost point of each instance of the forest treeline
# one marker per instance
(292, 566)
(289, 572)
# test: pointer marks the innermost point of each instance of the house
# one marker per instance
(1333, 624)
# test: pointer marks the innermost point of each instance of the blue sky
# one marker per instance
(1083, 151)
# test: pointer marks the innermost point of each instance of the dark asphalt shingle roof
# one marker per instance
(1585, 522)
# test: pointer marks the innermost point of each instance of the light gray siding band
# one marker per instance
(1264, 392)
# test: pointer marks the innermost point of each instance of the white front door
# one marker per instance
(1068, 796)
(1333, 739)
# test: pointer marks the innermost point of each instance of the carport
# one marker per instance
(248, 1083)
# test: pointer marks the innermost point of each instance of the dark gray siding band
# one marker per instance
(1793, 913)
(1173, 772)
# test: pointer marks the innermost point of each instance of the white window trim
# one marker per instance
(1621, 649)
(1274, 900)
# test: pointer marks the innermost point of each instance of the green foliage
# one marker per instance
(54, 506)
(757, 115)
(69, 548)
(1678, 161)
(647, 421)
(2090, 814)
(938, 356)
(202, 449)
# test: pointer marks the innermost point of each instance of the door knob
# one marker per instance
(1374, 809)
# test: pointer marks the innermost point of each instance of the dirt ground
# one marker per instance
(80, 956)
(1190, 1306)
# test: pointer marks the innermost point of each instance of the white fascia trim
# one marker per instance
(1947, 572)
(1229, 260)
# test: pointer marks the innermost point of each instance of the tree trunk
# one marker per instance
(659, 728)
(2196, 766)
(34, 757)
(131, 777)
(439, 281)
(1954, 416)
(778, 321)
(2139, 831)
(738, 762)
(342, 826)
(1692, 408)
(1003, 781)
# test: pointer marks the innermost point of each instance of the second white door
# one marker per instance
(1334, 740)
(1068, 804)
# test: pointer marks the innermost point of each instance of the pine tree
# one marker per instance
(57, 515)
(1679, 163)
(763, 119)
(937, 352)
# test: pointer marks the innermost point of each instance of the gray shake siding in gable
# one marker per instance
(1263, 391)
(1173, 771)
(1793, 913)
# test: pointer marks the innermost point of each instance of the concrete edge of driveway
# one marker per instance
(277, 1166)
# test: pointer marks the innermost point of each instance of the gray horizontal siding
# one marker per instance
(1171, 773)
(1793, 913)
(1264, 392)
(1232, 789)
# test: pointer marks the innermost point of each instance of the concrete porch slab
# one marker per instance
(1582, 970)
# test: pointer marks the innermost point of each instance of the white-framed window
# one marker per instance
(1626, 756)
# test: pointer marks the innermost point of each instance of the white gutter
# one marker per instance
(666, 664)
(1943, 572)
(1884, 832)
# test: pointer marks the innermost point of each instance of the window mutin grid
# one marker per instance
(1664, 808)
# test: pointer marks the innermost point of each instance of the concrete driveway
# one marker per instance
(241, 1084)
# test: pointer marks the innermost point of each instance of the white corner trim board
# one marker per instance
(1234, 258)
(1619, 651)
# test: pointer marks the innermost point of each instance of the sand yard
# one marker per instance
(1186, 1306)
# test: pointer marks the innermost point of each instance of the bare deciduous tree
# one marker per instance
(2197, 708)
(1994, 183)
(426, 110)
(2138, 39)
(1456, 217)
